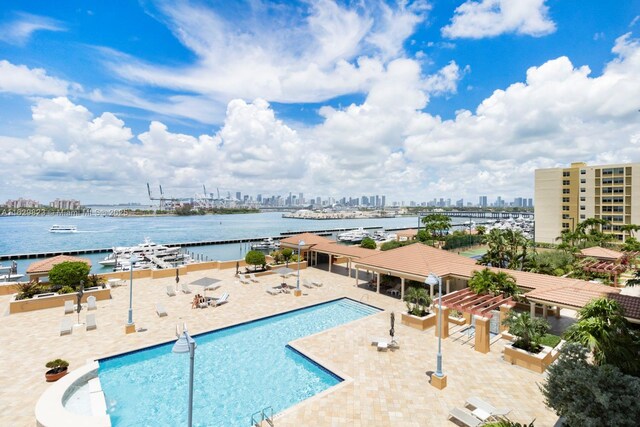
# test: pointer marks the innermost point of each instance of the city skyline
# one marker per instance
(415, 100)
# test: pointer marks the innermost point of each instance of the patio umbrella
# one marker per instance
(392, 331)
(79, 295)
(284, 272)
(208, 283)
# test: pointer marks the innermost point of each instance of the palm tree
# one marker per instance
(436, 225)
(487, 281)
(418, 300)
(528, 330)
(630, 228)
(496, 251)
(603, 329)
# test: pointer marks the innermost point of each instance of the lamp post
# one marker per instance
(300, 243)
(129, 328)
(186, 344)
(432, 280)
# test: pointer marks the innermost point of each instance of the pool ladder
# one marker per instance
(264, 415)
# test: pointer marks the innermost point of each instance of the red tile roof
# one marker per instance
(630, 304)
(349, 251)
(46, 265)
(309, 239)
(601, 253)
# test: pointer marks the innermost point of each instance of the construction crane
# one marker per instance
(162, 199)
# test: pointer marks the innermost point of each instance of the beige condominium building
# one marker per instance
(566, 196)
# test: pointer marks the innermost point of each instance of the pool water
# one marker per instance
(238, 371)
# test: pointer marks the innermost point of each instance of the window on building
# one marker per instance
(566, 173)
(583, 181)
(565, 216)
(583, 199)
(566, 182)
(583, 171)
(583, 216)
(565, 191)
(583, 190)
(582, 207)
(565, 200)
(565, 225)
(565, 208)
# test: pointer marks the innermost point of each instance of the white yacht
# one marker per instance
(267, 243)
(143, 250)
(63, 229)
(9, 272)
(353, 236)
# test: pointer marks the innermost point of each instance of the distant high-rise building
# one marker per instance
(301, 198)
(259, 198)
(383, 201)
(460, 203)
(65, 204)
(238, 195)
(22, 203)
(482, 201)
(318, 200)
(530, 203)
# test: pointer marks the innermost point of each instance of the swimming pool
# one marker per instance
(238, 370)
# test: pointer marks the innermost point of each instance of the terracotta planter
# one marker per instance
(536, 362)
(54, 375)
(420, 323)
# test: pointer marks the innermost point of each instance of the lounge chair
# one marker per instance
(171, 291)
(478, 403)
(222, 300)
(185, 288)
(91, 321)
(274, 291)
(68, 307)
(394, 291)
(243, 279)
(376, 340)
(91, 303)
(253, 278)
(66, 326)
(316, 283)
(306, 284)
(465, 418)
(160, 310)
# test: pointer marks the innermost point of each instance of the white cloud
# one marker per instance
(558, 114)
(334, 50)
(20, 31)
(22, 80)
(490, 18)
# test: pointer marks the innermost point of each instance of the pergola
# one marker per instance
(605, 267)
(479, 305)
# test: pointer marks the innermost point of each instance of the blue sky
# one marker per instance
(314, 97)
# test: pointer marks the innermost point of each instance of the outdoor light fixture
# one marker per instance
(132, 260)
(186, 344)
(300, 243)
(432, 280)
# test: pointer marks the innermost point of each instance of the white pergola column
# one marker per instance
(544, 311)
(448, 286)
(349, 266)
(378, 283)
(402, 289)
(330, 262)
(533, 309)
(357, 275)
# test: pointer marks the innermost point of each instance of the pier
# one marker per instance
(482, 214)
(74, 252)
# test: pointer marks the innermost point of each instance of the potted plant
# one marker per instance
(526, 350)
(418, 315)
(57, 370)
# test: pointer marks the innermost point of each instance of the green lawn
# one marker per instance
(550, 340)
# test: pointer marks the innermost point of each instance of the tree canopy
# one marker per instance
(368, 243)
(69, 273)
(505, 249)
(487, 281)
(436, 225)
(590, 395)
(255, 258)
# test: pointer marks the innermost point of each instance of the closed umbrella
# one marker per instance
(392, 331)
(177, 276)
(79, 305)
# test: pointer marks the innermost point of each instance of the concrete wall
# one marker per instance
(32, 304)
(548, 204)
(8, 288)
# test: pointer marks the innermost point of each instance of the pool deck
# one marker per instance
(384, 388)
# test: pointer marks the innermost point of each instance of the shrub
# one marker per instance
(550, 340)
(66, 290)
(94, 281)
(418, 301)
(69, 273)
(28, 290)
(287, 253)
(392, 244)
(368, 243)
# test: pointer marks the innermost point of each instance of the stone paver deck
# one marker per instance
(384, 389)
